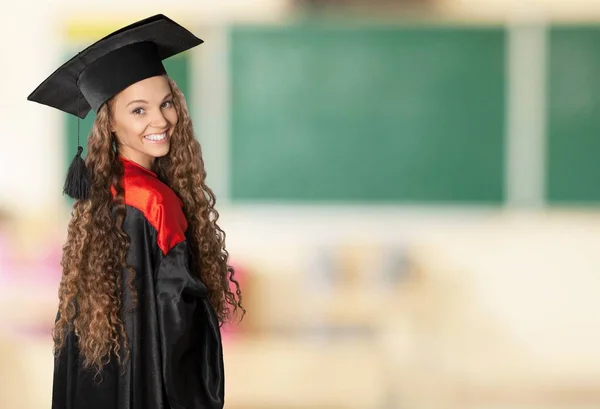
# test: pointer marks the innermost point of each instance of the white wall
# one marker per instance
(29, 141)
(565, 10)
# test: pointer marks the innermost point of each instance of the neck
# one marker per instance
(145, 162)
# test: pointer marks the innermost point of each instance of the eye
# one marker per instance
(167, 104)
(138, 111)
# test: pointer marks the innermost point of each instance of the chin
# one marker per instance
(159, 153)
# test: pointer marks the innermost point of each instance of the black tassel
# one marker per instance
(77, 184)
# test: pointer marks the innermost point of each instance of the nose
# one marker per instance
(158, 120)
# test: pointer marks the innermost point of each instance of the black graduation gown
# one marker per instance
(176, 359)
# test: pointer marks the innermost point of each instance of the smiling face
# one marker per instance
(143, 120)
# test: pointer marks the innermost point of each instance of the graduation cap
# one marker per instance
(89, 79)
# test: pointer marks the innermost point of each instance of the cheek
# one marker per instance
(131, 129)
(172, 117)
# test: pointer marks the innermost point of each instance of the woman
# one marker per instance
(145, 282)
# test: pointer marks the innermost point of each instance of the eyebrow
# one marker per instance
(143, 101)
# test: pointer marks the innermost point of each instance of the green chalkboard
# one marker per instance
(367, 113)
(573, 119)
(178, 69)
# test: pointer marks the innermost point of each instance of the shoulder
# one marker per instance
(161, 207)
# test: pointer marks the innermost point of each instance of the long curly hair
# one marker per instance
(94, 255)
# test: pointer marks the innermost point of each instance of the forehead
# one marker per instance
(150, 89)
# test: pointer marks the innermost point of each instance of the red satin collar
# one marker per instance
(159, 204)
(134, 166)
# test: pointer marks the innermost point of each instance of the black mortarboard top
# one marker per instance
(113, 63)
(107, 67)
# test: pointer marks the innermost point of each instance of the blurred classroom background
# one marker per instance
(410, 191)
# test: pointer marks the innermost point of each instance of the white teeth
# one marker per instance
(156, 137)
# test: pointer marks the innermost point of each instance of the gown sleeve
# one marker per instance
(192, 356)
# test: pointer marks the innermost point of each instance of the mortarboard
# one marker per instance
(105, 68)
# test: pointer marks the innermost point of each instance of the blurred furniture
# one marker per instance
(279, 372)
(499, 313)
(26, 371)
(503, 314)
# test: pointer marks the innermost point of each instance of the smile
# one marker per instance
(156, 137)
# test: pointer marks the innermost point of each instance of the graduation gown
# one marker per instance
(176, 359)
